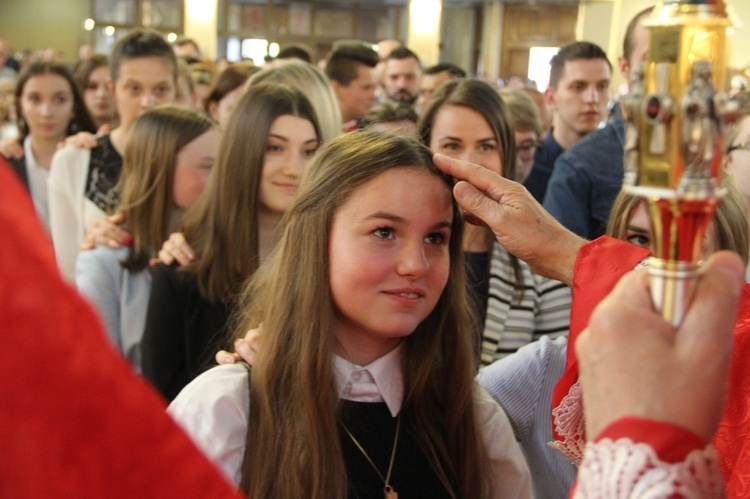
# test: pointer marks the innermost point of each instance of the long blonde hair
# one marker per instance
(222, 225)
(147, 179)
(731, 230)
(314, 84)
(292, 429)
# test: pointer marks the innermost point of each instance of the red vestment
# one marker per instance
(75, 421)
(599, 266)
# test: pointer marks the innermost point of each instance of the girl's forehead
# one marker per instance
(404, 174)
(46, 81)
(397, 186)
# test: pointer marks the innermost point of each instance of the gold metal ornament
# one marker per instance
(673, 153)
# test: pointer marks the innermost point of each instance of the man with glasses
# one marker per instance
(527, 128)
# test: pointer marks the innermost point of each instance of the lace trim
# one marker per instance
(567, 419)
(625, 469)
(105, 165)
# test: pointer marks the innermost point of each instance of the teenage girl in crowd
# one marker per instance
(314, 84)
(523, 383)
(49, 107)
(629, 221)
(226, 92)
(467, 120)
(92, 77)
(231, 229)
(168, 159)
(305, 77)
(364, 384)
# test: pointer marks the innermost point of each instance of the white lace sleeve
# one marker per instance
(623, 469)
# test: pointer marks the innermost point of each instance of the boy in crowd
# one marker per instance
(350, 67)
(578, 95)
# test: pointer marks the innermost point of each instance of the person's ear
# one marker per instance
(212, 107)
(624, 66)
(549, 97)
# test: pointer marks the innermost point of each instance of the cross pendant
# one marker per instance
(389, 493)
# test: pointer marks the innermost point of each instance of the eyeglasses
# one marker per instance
(745, 146)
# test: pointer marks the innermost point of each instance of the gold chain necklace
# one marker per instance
(388, 491)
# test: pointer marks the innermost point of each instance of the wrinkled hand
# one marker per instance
(176, 248)
(244, 349)
(520, 224)
(11, 148)
(634, 363)
(81, 140)
(106, 231)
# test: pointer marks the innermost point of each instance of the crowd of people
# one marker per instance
(412, 282)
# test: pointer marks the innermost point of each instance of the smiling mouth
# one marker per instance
(409, 295)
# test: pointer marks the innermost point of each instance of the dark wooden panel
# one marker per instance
(526, 26)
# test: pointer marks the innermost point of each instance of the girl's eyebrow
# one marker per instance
(636, 228)
(286, 139)
(387, 216)
(459, 139)
(401, 220)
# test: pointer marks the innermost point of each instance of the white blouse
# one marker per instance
(213, 409)
(37, 176)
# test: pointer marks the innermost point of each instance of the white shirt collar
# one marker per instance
(380, 381)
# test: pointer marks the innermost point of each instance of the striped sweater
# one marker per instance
(512, 321)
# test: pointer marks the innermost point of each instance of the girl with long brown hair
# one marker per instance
(364, 385)
(270, 137)
(466, 119)
(92, 76)
(168, 160)
(49, 107)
